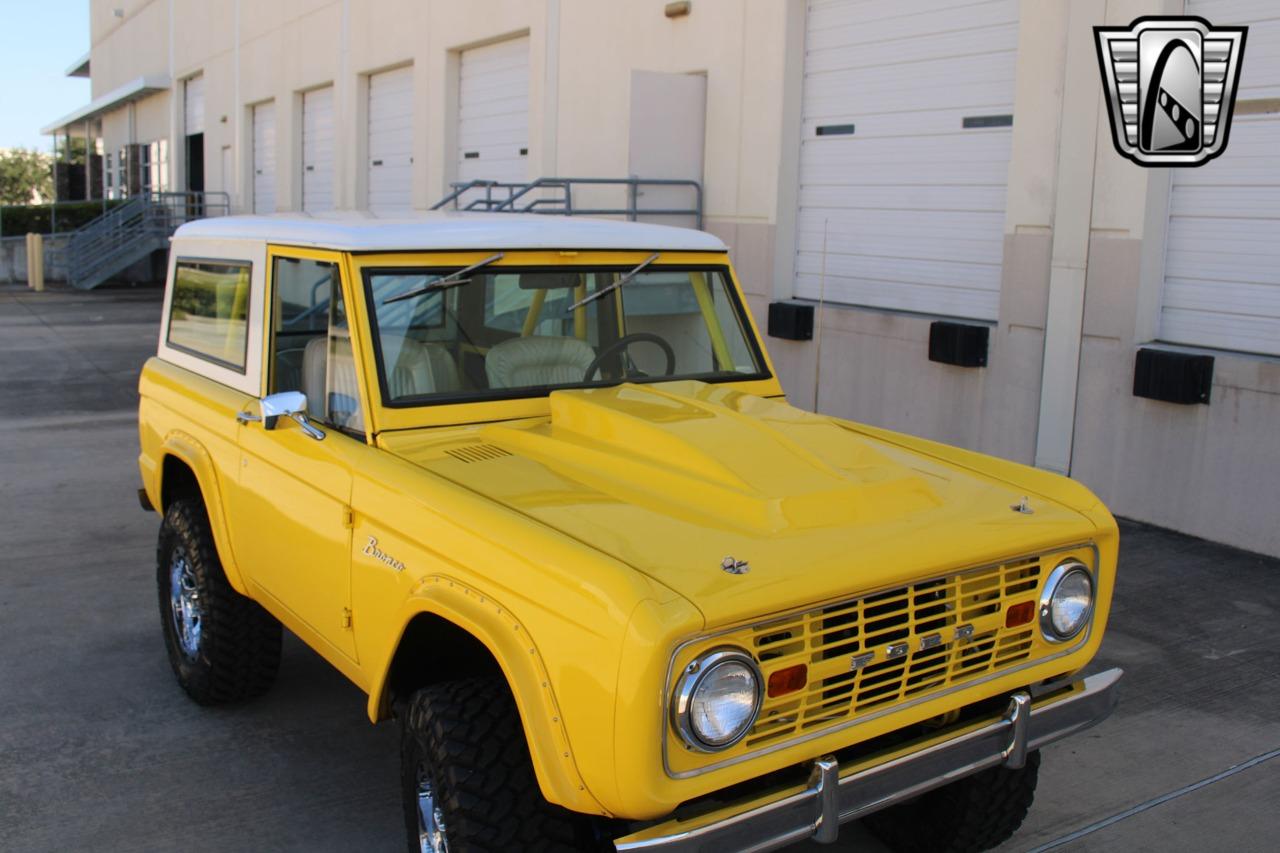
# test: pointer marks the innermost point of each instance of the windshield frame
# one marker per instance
(607, 262)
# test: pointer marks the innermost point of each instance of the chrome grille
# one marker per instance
(893, 645)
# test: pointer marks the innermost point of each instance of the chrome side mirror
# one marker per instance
(285, 404)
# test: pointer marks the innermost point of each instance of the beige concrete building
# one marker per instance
(901, 163)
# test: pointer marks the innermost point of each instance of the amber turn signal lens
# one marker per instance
(1020, 614)
(788, 680)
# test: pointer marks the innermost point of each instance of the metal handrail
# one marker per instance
(512, 197)
(114, 213)
(142, 224)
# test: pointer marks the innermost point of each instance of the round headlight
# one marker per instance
(717, 700)
(1067, 602)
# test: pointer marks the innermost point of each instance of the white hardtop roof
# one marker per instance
(449, 230)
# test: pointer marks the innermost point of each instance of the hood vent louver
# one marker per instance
(477, 453)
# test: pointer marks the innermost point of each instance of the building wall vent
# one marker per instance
(961, 344)
(1173, 377)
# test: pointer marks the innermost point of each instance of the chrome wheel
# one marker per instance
(431, 830)
(184, 605)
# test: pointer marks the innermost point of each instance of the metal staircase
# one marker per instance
(126, 234)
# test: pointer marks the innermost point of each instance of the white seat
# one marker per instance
(420, 368)
(537, 361)
(337, 380)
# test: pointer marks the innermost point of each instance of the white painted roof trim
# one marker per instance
(444, 231)
(146, 85)
(79, 68)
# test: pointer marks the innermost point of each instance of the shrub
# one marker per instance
(17, 220)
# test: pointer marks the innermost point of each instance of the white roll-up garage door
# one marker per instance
(904, 160)
(493, 112)
(317, 150)
(1222, 249)
(193, 105)
(390, 140)
(264, 158)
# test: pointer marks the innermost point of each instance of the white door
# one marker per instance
(193, 106)
(904, 161)
(668, 130)
(264, 158)
(493, 112)
(1222, 249)
(317, 150)
(390, 140)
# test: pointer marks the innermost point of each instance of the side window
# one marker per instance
(311, 342)
(342, 389)
(208, 316)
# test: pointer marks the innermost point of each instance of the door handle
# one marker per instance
(246, 418)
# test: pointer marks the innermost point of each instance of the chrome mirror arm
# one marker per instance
(287, 404)
(307, 427)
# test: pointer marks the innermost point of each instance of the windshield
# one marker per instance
(503, 332)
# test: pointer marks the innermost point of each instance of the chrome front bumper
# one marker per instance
(831, 798)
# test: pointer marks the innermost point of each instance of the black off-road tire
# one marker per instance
(975, 813)
(467, 738)
(238, 652)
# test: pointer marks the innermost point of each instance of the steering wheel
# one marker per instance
(627, 340)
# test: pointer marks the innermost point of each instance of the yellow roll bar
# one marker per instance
(702, 291)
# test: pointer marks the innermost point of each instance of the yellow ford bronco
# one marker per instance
(531, 483)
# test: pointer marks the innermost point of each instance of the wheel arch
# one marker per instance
(187, 470)
(485, 635)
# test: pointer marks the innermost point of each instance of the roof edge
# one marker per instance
(148, 84)
(79, 68)
(432, 231)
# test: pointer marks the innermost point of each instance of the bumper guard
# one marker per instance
(830, 798)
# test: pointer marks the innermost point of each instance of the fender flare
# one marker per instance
(511, 645)
(187, 449)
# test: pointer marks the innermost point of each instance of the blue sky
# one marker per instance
(38, 40)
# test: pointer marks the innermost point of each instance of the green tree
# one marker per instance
(26, 176)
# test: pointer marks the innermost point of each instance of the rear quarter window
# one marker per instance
(210, 309)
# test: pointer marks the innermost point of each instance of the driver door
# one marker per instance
(293, 529)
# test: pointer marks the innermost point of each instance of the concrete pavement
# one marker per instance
(100, 749)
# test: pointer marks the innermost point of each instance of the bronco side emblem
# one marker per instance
(735, 567)
(1171, 86)
(372, 550)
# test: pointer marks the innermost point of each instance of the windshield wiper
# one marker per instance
(625, 278)
(453, 279)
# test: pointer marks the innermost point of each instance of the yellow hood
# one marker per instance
(673, 478)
